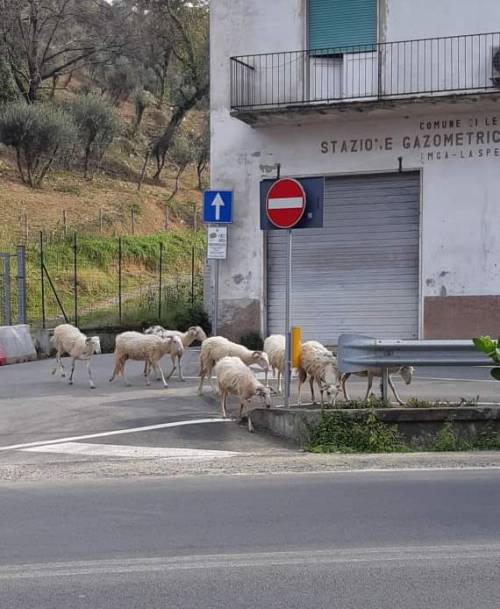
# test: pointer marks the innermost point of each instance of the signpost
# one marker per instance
(217, 212)
(285, 206)
(288, 203)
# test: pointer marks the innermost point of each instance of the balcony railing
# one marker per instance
(410, 68)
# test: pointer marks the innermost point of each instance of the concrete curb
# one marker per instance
(416, 425)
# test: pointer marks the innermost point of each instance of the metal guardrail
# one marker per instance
(356, 353)
(408, 68)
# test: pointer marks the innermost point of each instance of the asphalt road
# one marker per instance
(118, 422)
(428, 540)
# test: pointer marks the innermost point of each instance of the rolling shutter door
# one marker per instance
(338, 23)
(359, 273)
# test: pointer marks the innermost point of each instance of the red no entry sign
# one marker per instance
(285, 203)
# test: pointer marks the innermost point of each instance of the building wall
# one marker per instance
(457, 152)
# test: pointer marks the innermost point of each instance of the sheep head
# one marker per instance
(260, 358)
(93, 344)
(407, 373)
(197, 333)
(331, 391)
(265, 394)
(158, 330)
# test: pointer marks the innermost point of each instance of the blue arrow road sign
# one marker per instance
(218, 206)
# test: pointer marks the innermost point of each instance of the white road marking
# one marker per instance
(376, 555)
(436, 378)
(137, 452)
(117, 432)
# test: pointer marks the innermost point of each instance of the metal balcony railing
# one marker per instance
(409, 68)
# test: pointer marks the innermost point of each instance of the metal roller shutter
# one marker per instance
(359, 273)
(340, 23)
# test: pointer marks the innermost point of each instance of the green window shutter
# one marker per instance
(341, 23)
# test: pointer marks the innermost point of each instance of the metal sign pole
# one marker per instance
(216, 300)
(288, 343)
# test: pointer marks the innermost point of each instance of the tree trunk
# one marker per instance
(162, 145)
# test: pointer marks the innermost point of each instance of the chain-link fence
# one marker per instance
(13, 287)
(125, 281)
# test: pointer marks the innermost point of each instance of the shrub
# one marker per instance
(39, 133)
(253, 341)
(8, 92)
(337, 433)
(142, 100)
(97, 127)
(492, 348)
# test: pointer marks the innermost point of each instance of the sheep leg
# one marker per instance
(311, 385)
(59, 365)
(172, 357)
(89, 372)
(122, 372)
(160, 372)
(181, 376)
(369, 385)
(391, 385)
(202, 378)
(279, 381)
(302, 379)
(70, 381)
(223, 403)
(146, 369)
(116, 370)
(344, 388)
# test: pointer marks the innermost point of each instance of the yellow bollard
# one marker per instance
(296, 342)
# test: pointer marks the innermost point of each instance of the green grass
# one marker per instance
(337, 433)
(98, 276)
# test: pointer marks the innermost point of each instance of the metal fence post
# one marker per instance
(75, 278)
(7, 309)
(119, 280)
(42, 280)
(21, 285)
(192, 277)
(160, 281)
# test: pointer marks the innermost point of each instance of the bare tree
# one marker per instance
(45, 39)
(190, 25)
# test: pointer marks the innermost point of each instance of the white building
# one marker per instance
(407, 136)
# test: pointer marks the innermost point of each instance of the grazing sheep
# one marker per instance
(141, 347)
(320, 365)
(406, 373)
(193, 333)
(68, 339)
(215, 348)
(233, 376)
(274, 346)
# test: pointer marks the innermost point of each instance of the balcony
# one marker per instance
(270, 88)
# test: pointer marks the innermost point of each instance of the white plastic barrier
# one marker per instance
(16, 344)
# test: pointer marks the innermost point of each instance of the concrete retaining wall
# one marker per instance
(416, 425)
(16, 344)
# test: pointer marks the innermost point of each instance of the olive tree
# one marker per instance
(39, 133)
(97, 127)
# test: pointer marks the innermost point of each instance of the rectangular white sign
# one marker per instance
(217, 242)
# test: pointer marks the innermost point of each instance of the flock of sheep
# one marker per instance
(230, 362)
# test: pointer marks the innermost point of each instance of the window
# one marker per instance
(342, 23)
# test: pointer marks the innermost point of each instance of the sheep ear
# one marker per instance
(88, 340)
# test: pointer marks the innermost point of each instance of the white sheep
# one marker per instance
(141, 347)
(234, 377)
(274, 346)
(215, 348)
(68, 339)
(320, 365)
(193, 333)
(406, 373)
